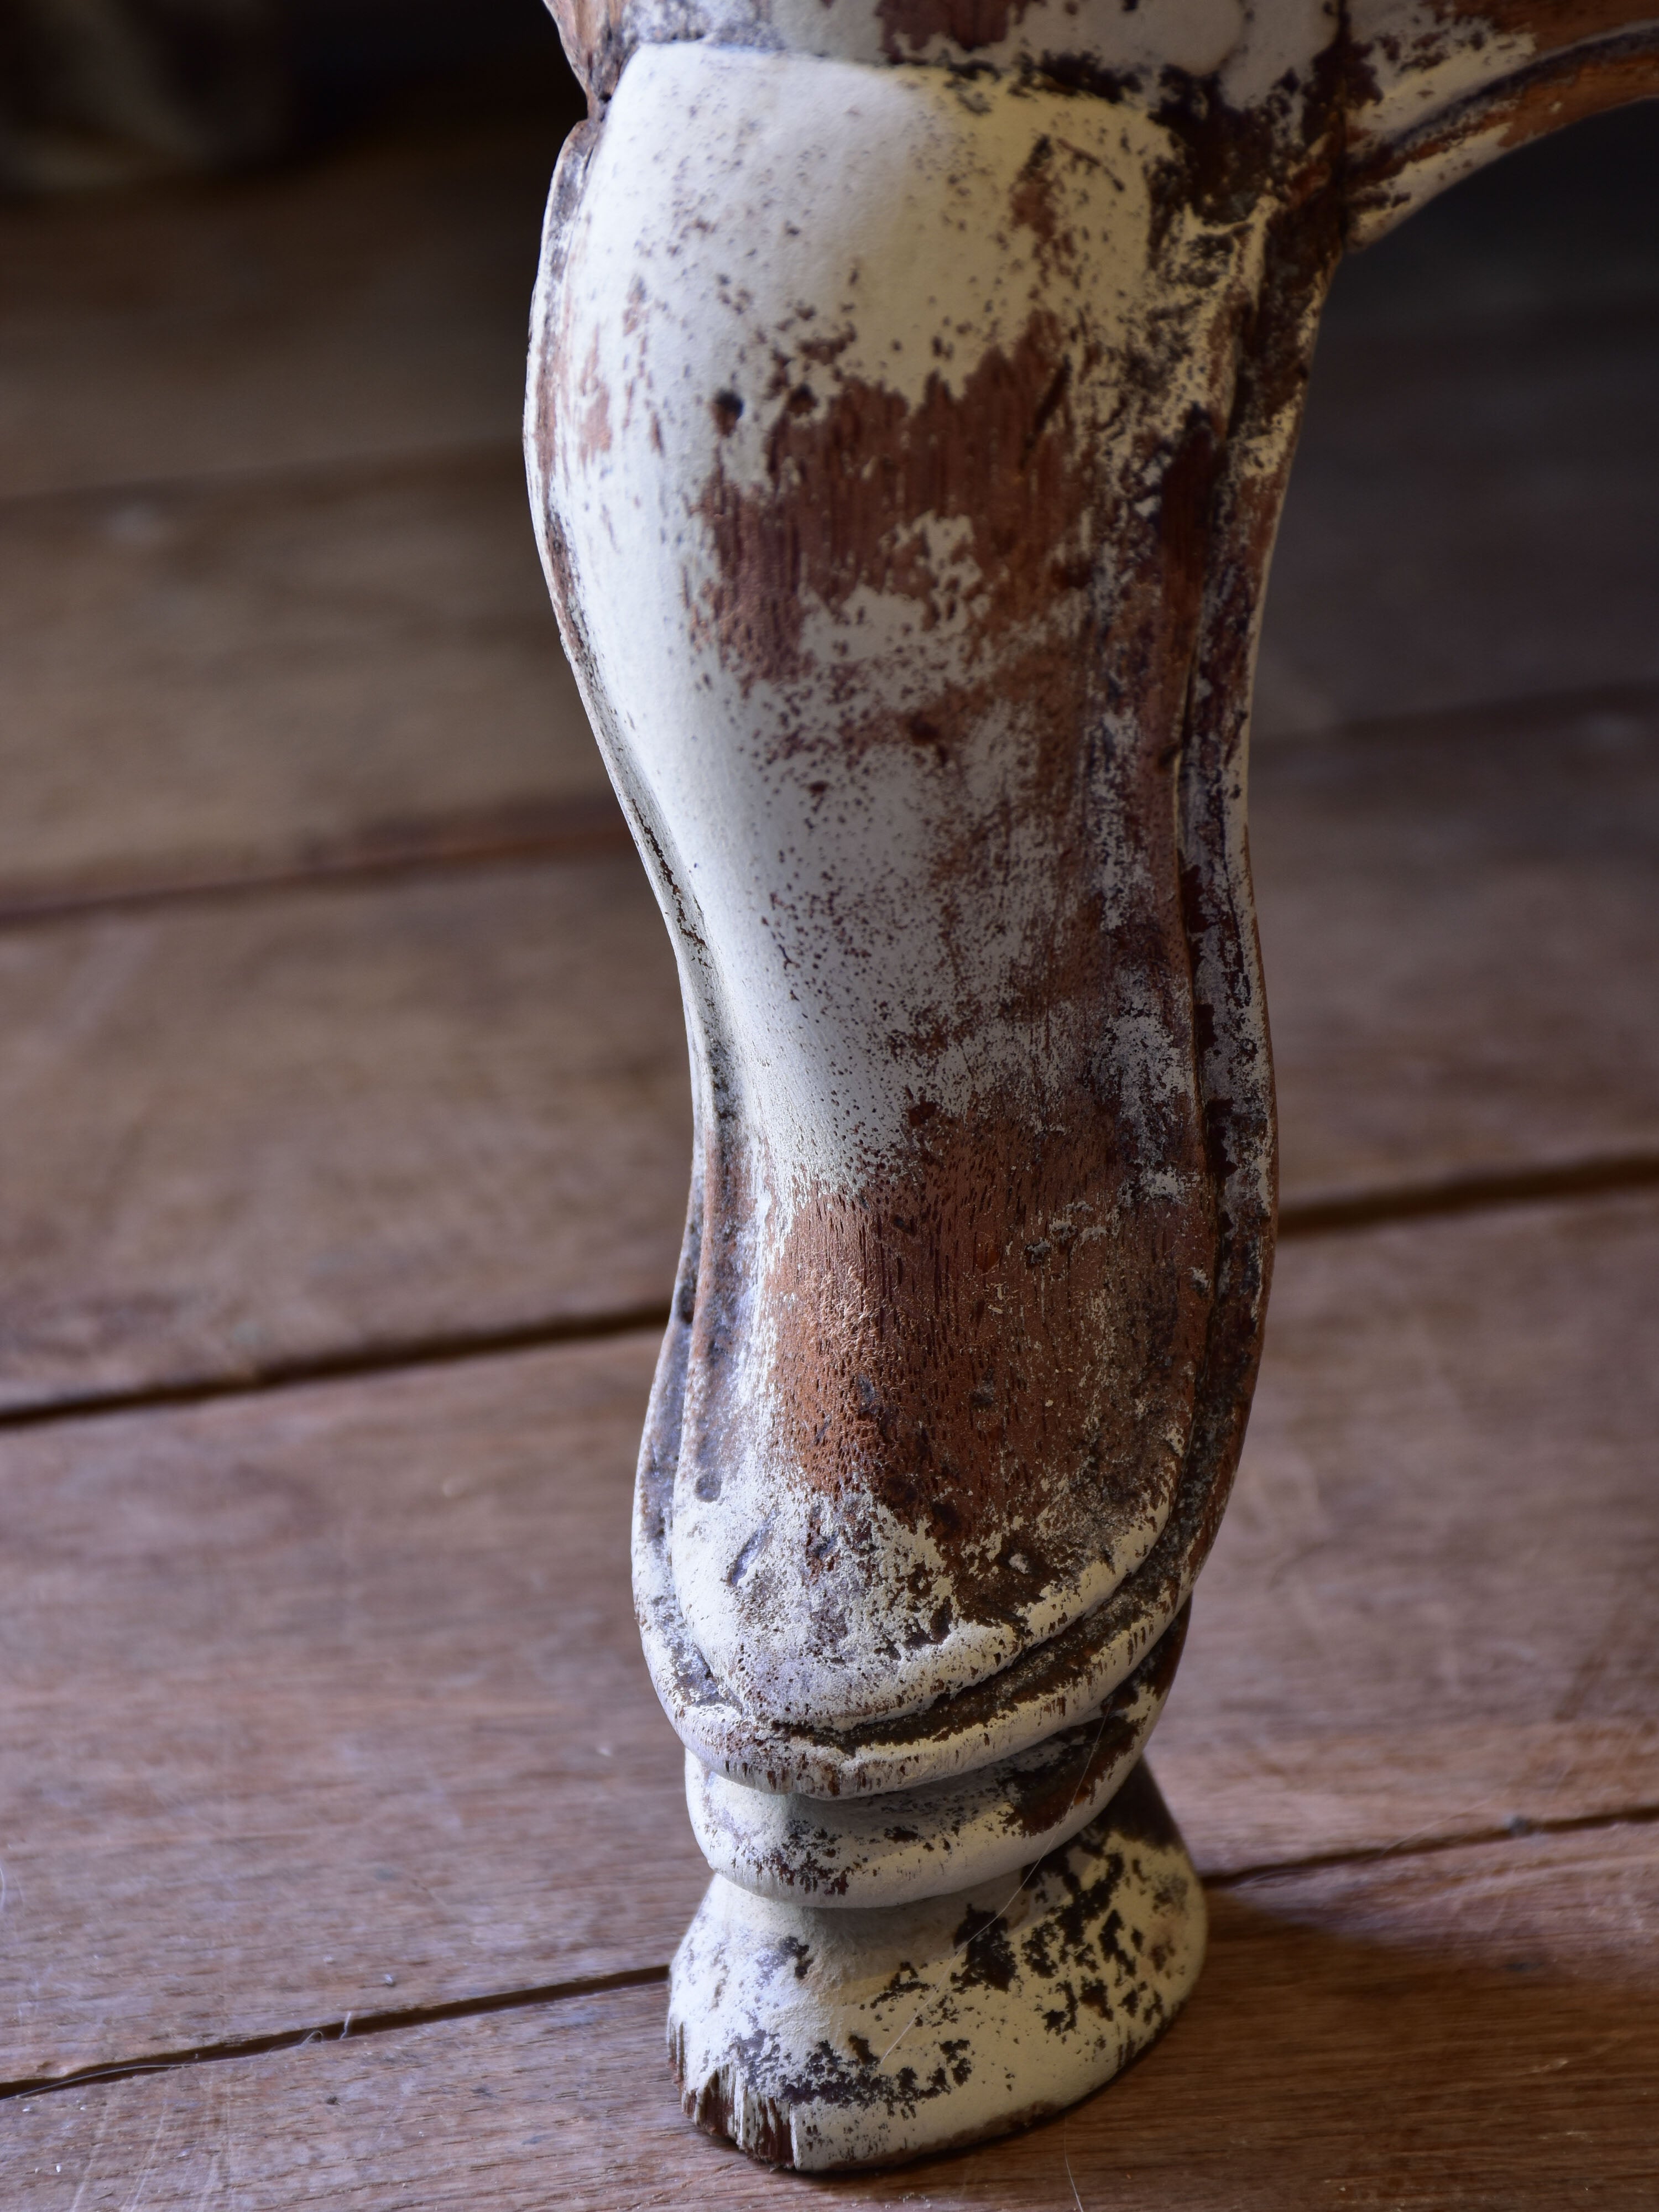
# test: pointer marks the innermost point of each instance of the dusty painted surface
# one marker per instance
(1245, 49)
(856, 1851)
(819, 2039)
(1432, 89)
(912, 393)
(891, 610)
(1438, 87)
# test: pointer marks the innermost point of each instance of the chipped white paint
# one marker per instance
(1029, 1702)
(1247, 47)
(862, 1851)
(820, 228)
(1444, 89)
(906, 447)
(1424, 65)
(820, 2039)
(1199, 36)
(1422, 60)
(825, 230)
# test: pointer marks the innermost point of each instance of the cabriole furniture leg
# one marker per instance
(911, 401)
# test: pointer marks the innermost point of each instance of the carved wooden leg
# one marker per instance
(908, 447)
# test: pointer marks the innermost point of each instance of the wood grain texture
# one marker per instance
(283, 1129)
(209, 681)
(327, 1684)
(1429, 1610)
(1457, 931)
(370, 303)
(333, 1685)
(1475, 2029)
(247, 1135)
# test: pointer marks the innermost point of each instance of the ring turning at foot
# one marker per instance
(819, 2039)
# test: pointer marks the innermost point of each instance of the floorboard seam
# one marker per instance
(1482, 1192)
(1416, 1847)
(583, 830)
(594, 826)
(354, 2025)
(351, 2028)
(404, 1355)
(1471, 720)
(1325, 1216)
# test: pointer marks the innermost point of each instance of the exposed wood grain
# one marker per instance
(1477, 2030)
(311, 1687)
(1457, 929)
(372, 303)
(245, 1136)
(213, 680)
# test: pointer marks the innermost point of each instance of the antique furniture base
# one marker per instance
(912, 393)
(818, 2039)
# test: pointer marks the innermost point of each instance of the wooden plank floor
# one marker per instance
(341, 1840)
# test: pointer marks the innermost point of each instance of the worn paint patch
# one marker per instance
(909, 446)
(862, 1851)
(1250, 48)
(823, 2039)
(861, 488)
(952, 1309)
(956, 1413)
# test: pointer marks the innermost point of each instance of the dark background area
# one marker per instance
(102, 92)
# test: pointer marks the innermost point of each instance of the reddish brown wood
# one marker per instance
(314, 1689)
(1474, 2028)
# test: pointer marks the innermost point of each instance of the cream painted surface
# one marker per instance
(763, 230)
(811, 205)
(1247, 45)
(1423, 60)
(818, 225)
(1440, 75)
(854, 1852)
(825, 2040)
(1031, 1702)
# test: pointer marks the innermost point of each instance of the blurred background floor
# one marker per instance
(346, 1139)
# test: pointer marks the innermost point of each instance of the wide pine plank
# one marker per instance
(315, 1686)
(210, 680)
(1477, 2028)
(288, 1128)
(335, 1685)
(335, 1124)
(1472, 515)
(1430, 1610)
(371, 301)
(1457, 927)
